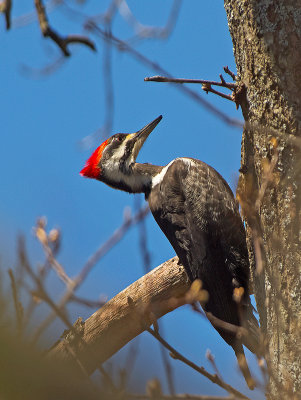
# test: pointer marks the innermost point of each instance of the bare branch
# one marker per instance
(239, 331)
(5, 8)
(210, 357)
(206, 85)
(124, 46)
(158, 78)
(62, 42)
(116, 237)
(127, 315)
(207, 88)
(100, 252)
(130, 313)
(17, 303)
(143, 31)
(227, 71)
(178, 356)
(45, 241)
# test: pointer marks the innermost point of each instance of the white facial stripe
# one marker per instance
(119, 152)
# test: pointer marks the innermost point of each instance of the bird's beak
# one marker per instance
(138, 138)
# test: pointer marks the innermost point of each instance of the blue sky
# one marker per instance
(44, 120)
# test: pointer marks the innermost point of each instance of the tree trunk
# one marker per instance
(266, 38)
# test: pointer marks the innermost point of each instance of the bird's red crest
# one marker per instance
(92, 169)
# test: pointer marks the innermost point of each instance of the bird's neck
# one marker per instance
(137, 178)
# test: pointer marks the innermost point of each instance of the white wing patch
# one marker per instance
(157, 179)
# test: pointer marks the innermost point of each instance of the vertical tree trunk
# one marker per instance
(266, 37)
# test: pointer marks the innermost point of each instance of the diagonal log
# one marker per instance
(124, 317)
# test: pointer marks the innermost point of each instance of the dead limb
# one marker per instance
(128, 314)
(125, 316)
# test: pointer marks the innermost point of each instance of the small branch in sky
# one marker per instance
(208, 88)
(5, 8)
(125, 47)
(17, 304)
(62, 42)
(158, 78)
(210, 357)
(54, 239)
(229, 72)
(206, 85)
(178, 356)
(91, 262)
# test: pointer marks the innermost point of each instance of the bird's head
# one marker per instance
(112, 161)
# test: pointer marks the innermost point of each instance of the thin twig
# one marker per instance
(206, 85)
(107, 378)
(146, 32)
(124, 46)
(213, 378)
(31, 16)
(59, 311)
(106, 129)
(62, 42)
(86, 302)
(17, 303)
(210, 357)
(208, 89)
(115, 238)
(227, 71)
(128, 367)
(5, 8)
(48, 69)
(44, 269)
(102, 250)
(54, 239)
(168, 367)
(239, 331)
(158, 78)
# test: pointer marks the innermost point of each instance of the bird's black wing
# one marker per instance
(196, 210)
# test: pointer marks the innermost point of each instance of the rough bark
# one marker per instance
(266, 37)
(124, 317)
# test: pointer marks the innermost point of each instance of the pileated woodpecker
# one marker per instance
(196, 210)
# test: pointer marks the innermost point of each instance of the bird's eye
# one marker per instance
(117, 139)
